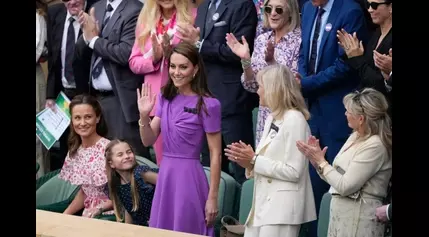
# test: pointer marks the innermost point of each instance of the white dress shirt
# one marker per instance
(102, 83)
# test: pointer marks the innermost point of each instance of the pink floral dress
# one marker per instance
(88, 169)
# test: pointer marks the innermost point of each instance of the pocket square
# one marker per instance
(220, 23)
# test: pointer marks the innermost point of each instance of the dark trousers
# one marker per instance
(57, 158)
(118, 127)
(234, 129)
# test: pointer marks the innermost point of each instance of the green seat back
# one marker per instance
(323, 222)
(227, 189)
(246, 200)
(54, 190)
(141, 160)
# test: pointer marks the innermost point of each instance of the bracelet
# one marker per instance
(144, 125)
(245, 63)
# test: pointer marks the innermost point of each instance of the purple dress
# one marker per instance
(182, 188)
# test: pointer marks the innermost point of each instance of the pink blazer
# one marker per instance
(142, 64)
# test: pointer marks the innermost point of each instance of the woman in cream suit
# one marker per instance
(283, 196)
(360, 173)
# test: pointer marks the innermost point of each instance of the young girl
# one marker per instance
(131, 186)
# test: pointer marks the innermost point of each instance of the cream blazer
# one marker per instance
(283, 194)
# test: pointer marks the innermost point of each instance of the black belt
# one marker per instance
(103, 93)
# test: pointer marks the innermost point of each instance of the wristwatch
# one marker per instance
(253, 160)
(321, 166)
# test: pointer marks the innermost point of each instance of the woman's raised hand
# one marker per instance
(145, 99)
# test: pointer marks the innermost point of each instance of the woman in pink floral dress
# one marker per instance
(85, 164)
(281, 45)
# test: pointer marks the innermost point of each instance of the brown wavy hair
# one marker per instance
(114, 181)
(199, 83)
(74, 140)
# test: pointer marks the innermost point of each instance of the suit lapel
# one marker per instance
(114, 18)
(201, 16)
(220, 10)
(99, 13)
(307, 33)
(331, 20)
(59, 30)
(265, 139)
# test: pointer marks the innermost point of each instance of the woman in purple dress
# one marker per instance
(186, 112)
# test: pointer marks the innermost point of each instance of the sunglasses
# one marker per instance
(269, 9)
(374, 5)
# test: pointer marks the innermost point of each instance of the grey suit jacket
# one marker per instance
(114, 47)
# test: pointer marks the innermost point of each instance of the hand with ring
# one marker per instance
(350, 43)
(240, 153)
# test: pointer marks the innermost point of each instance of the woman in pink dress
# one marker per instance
(85, 164)
(155, 35)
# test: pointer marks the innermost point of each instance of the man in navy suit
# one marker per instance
(325, 78)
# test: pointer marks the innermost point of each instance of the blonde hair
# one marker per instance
(373, 106)
(114, 181)
(281, 91)
(150, 14)
(291, 11)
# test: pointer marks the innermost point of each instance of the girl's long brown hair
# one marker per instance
(114, 181)
(74, 140)
(199, 84)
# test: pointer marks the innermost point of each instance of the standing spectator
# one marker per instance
(281, 45)
(187, 113)
(362, 58)
(66, 72)
(108, 36)
(325, 77)
(360, 173)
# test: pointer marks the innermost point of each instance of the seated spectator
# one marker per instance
(131, 186)
(360, 173)
(85, 164)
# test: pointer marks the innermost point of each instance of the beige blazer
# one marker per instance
(283, 194)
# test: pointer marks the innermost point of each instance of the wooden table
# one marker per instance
(50, 224)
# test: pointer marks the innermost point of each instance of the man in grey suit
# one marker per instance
(108, 37)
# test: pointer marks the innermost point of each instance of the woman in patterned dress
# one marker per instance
(131, 186)
(281, 45)
(85, 164)
(361, 171)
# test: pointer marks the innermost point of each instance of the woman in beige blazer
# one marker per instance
(360, 173)
(283, 196)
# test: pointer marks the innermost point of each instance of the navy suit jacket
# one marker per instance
(334, 78)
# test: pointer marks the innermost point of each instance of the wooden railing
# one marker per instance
(50, 224)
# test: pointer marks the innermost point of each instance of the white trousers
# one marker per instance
(272, 231)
